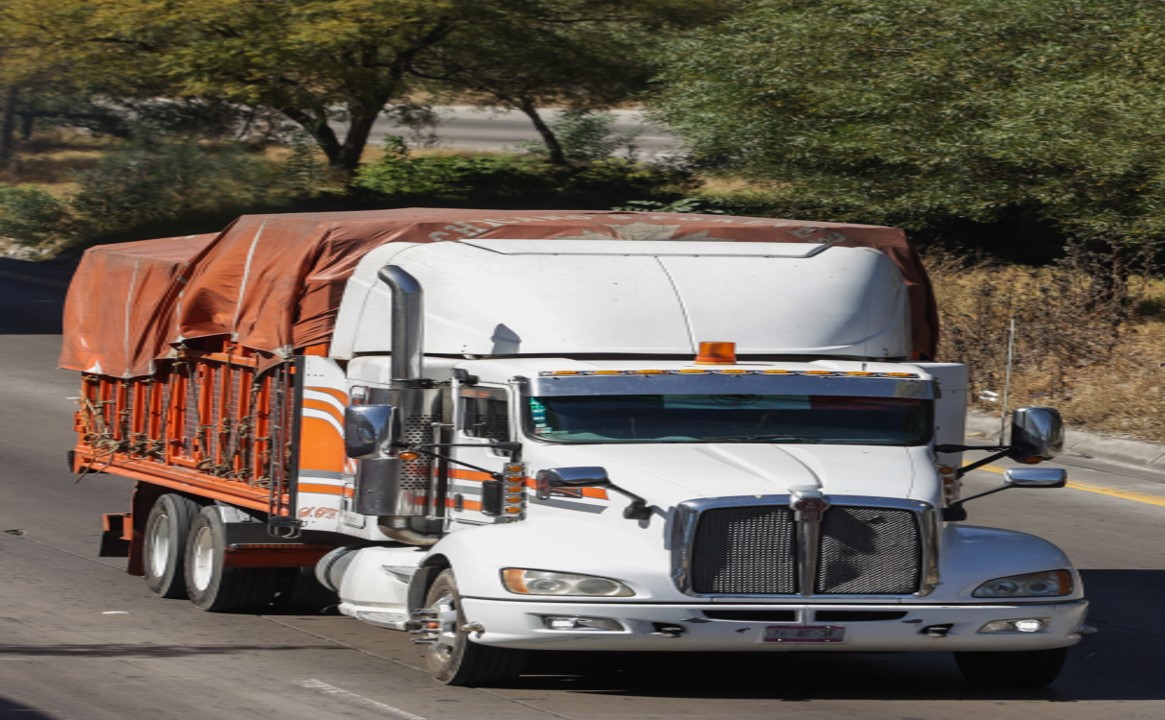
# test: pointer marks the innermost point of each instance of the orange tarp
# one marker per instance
(119, 313)
(273, 283)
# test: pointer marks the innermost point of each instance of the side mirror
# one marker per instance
(1012, 478)
(551, 479)
(370, 431)
(569, 477)
(1036, 477)
(1037, 434)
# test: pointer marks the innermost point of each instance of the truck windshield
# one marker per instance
(729, 419)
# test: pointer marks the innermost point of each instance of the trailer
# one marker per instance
(505, 431)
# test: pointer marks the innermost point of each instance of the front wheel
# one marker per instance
(211, 585)
(454, 658)
(1021, 668)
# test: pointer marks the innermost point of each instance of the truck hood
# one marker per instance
(666, 474)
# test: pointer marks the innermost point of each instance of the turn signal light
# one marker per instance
(716, 353)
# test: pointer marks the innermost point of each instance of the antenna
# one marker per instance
(1007, 378)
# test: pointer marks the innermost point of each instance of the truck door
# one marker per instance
(482, 415)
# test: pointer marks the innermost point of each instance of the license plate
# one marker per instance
(804, 634)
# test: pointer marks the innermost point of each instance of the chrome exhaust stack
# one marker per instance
(408, 324)
(400, 492)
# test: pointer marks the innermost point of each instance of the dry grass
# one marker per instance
(52, 157)
(1102, 365)
(51, 171)
(722, 186)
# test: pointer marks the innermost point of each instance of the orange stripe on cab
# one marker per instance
(325, 407)
(321, 489)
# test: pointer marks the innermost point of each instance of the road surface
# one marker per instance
(470, 128)
(81, 640)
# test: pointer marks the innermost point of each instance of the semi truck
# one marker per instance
(514, 431)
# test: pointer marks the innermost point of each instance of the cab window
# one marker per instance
(485, 413)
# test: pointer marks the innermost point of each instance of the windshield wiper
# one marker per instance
(764, 438)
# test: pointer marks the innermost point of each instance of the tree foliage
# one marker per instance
(332, 66)
(134, 192)
(917, 111)
(314, 61)
(582, 54)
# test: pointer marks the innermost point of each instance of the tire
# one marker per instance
(215, 588)
(164, 544)
(1030, 668)
(300, 593)
(456, 659)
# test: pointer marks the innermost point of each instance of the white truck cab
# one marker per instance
(668, 446)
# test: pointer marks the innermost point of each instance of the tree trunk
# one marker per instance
(8, 128)
(343, 156)
(319, 130)
(361, 117)
(553, 147)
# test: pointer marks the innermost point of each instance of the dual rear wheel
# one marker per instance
(184, 556)
(164, 552)
(210, 584)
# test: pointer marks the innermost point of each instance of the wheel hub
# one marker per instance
(202, 570)
(437, 627)
(159, 544)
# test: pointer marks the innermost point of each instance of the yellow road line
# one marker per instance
(1098, 489)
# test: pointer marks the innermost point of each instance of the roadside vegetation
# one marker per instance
(1097, 357)
(1021, 143)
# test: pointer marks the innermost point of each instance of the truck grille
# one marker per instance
(745, 550)
(753, 550)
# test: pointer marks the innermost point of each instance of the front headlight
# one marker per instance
(1050, 583)
(547, 582)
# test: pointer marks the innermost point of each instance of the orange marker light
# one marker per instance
(716, 353)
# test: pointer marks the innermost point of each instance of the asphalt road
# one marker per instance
(80, 639)
(471, 128)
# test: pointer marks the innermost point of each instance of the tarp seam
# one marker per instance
(246, 278)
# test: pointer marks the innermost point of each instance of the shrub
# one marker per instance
(452, 177)
(585, 136)
(497, 180)
(683, 205)
(30, 216)
(148, 190)
(152, 182)
(304, 171)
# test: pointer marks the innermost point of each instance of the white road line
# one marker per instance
(340, 692)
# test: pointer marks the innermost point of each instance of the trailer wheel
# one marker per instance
(164, 547)
(1024, 668)
(210, 584)
(455, 659)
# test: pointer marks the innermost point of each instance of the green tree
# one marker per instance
(43, 84)
(919, 111)
(314, 61)
(325, 64)
(526, 55)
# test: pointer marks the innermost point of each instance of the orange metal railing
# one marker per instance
(209, 423)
